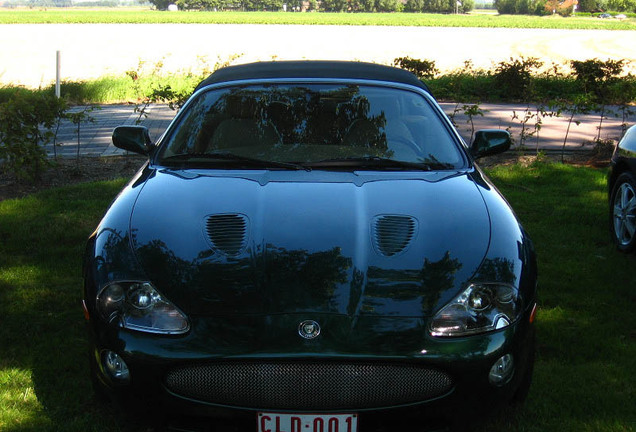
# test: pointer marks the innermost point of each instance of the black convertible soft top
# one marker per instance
(312, 69)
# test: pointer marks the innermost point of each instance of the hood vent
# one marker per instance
(392, 234)
(227, 232)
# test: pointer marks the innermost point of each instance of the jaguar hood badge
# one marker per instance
(308, 329)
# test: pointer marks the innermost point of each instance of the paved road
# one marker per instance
(27, 51)
(95, 137)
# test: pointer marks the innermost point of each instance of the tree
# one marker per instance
(294, 5)
(589, 6)
(438, 6)
(563, 8)
(414, 6)
(270, 5)
(467, 6)
(192, 4)
(334, 5)
(367, 5)
(161, 4)
(519, 7)
(506, 6)
(388, 6)
(622, 5)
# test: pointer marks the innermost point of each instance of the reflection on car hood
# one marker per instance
(320, 242)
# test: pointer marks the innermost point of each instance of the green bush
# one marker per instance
(596, 75)
(514, 77)
(423, 69)
(527, 79)
(26, 120)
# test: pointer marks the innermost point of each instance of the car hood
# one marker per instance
(267, 243)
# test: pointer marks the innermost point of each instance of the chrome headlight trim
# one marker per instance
(138, 305)
(480, 308)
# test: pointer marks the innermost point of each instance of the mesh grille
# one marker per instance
(227, 232)
(308, 386)
(392, 234)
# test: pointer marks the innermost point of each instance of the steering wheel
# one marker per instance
(397, 142)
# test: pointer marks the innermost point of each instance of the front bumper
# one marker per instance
(441, 382)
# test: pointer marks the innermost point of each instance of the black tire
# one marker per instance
(622, 212)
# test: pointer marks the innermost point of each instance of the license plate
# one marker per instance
(284, 422)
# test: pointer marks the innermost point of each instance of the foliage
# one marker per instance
(531, 121)
(207, 5)
(471, 111)
(388, 6)
(588, 5)
(156, 91)
(514, 78)
(334, 5)
(596, 75)
(563, 8)
(423, 69)
(26, 120)
(582, 104)
(159, 90)
(438, 6)
(466, 84)
(553, 90)
(467, 6)
(277, 5)
(598, 78)
(77, 118)
(161, 94)
(619, 5)
(518, 7)
(161, 4)
(623, 94)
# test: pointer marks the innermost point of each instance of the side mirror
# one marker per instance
(133, 138)
(490, 142)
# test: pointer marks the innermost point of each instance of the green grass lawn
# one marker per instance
(43, 353)
(135, 16)
(585, 377)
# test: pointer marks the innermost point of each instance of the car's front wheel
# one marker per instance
(623, 212)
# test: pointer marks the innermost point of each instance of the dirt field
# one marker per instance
(28, 52)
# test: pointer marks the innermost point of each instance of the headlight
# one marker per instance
(139, 306)
(478, 309)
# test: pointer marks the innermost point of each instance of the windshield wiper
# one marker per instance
(225, 156)
(374, 162)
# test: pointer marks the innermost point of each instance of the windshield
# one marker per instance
(312, 125)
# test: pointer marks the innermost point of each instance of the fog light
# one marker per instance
(115, 366)
(501, 372)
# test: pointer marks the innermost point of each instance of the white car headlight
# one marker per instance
(139, 306)
(480, 308)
